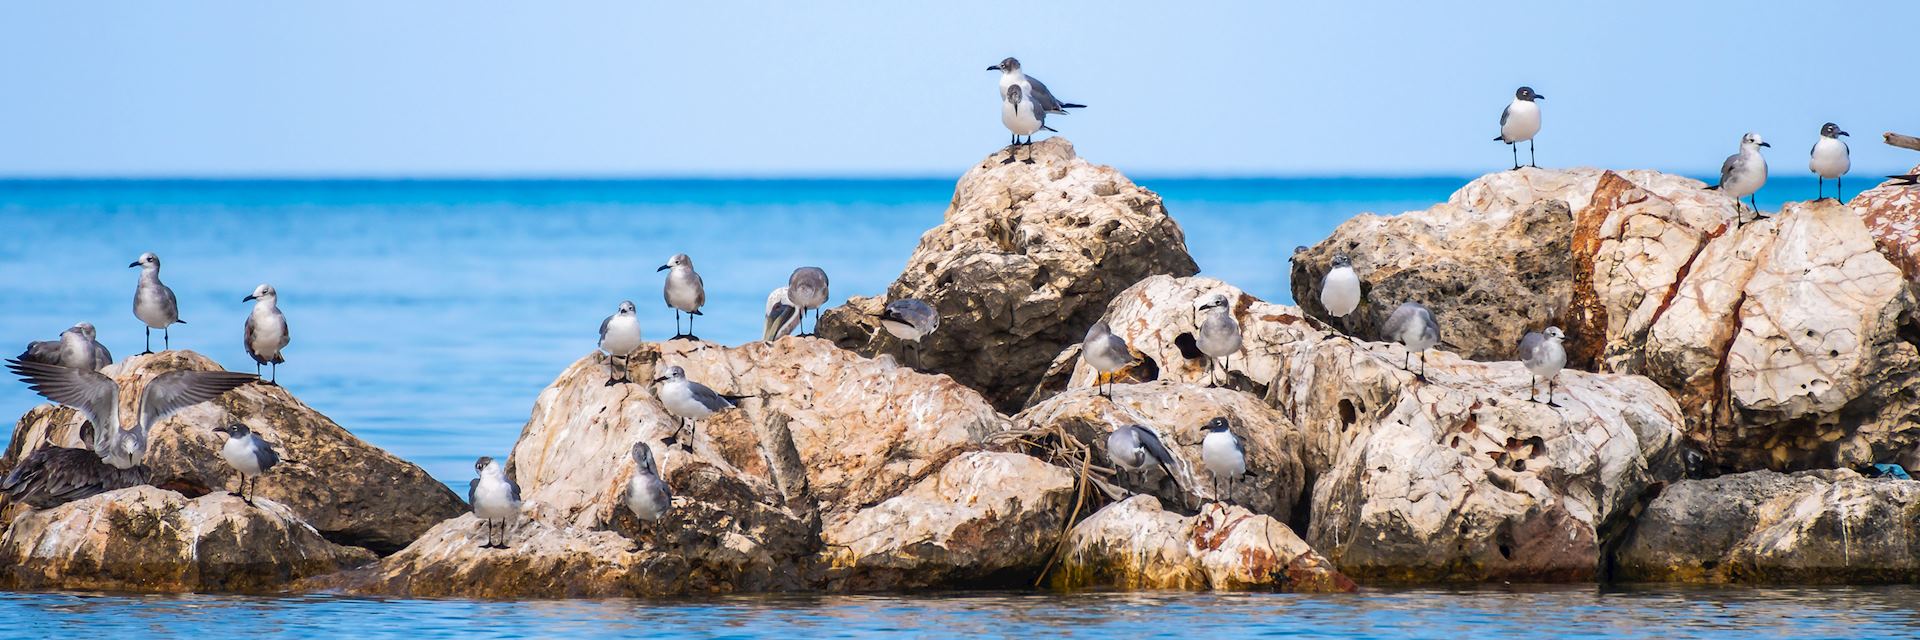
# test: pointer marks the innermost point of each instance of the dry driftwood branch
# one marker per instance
(1904, 142)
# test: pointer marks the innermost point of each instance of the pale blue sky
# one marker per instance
(410, 88)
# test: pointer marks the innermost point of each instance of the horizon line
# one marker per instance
(1876, 175)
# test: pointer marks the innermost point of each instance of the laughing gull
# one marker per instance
(807, 290)
(1022, 117)
(689, 401)
(76, 348)
(782, 317)
(153, 302)
(647, 495)
(684, 292)
(910, 320)
(1135, 448)
(1218, 335)
(1829, 160)
(1106, 353)
(1519, 122)
(1544, 356)
(1745, 172)
(266, 331)
(1222, 453)
(494, 499)
(1413, 325)
(51, 475)
(619, 338)
(1012, 75)
(247, 454)
(1340, 290)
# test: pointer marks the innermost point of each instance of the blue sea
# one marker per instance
(427, 314)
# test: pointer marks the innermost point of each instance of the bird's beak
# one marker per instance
(994, 68)
(1842, 133)
(249, 298)
(660, 379)
(135, 263)
(663, 267)
(1763, 144)
(1539, 97)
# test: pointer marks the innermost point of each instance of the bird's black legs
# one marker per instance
(1531, 160)
(690, 335)
(1550, 388)
(503, 535)
(256, 368)
(166, 338)
(1820, 190)
(247, 496)
(149, 342)
(1422, 376)
(1029, 146)
(1533, 394)
(1515, 148)
(273, 375)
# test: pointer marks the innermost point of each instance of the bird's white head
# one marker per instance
(84, 328)
(678, 260)
(1009, 65)
(1554, 333)
(147, 261)
(262, 292)
(626, 307)
(1341, 261)
(670, 373)
(1215, 301)
(1752, 141)
(643, 458)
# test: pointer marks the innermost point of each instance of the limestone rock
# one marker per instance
(1134, 544)
(352, 492)
(1026, 259)
(1892, 214)
(147, 539)
(1829, 526)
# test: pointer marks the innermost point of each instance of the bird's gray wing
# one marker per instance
(1239, 447)
(92, 394)
(781, 320)
(1156, 448)
(1043, 98)
(1504, 112)
(263, 453)
(1734, 163)
(473, 486)
(603, 328)
(700, 288)
(708, 398)
(1401, 318)
(175, 390)
(513, 490)
(52, 476)
(1119, 347)
(247, 339)
(101, 354)
(42, 351)
(167, 300)
(1529, 344)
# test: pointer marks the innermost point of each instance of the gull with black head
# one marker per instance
(494, 498)
(247, 454)
(1830, 160)
(1340, 290)
(1519, 122)
(1223, 455)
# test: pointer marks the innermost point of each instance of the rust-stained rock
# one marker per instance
(151, 540)
(1026, 259)
(351, 491)
(1134, 544)
(1891, 212)
(1827, 526)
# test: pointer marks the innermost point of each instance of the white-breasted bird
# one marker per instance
(1340, 289)
(1217, 335)
(153, 302)
(1011, 74)
(1545, 355)
(648, 496)
(910, 320)
(1023, 117)
(782, 318)
(248, 454)
(75, 348)
(1106, 353)
(1519, 122)
(1223, 455)
(494, 499)
(1745, 171)
(807, 290)
(689, 401)
(684, 291)
(266, 334)
(1830, 160)
(1413, 325)
(1136, 448)
(620, 337)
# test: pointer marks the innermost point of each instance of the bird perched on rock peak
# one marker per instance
(1745, 171)
(684, 292)
(1830, 159)
(265, 334)
(1519, 122)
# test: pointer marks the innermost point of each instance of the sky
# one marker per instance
(628, 89)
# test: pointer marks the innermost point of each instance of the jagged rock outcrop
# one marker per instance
(147, 539)
(1892, 214)
(1025, 260)
(1461, 477)
(837, 472)
(1826, 526)
(352, 492)
(1134, 544)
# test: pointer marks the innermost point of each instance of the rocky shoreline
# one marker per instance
(1727, 374)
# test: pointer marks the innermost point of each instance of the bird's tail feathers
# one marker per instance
(1500, 138)
(1907, 179)
(1714, 188)
(1069, 105)
(695, 312)
(1050, 128)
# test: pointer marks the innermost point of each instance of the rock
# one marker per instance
(1891, 212)
(807, 485)
(1458, 478)
(152, 540)
(1829, 526)
(1133, 544)
(987, 519)
(1178, 412)
(1026, 259)
(352, 492)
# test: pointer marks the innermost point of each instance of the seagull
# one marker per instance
(76, 348)
(648, 497)
(1829, 159)
(153, 302)
(247, 454)
(1022, 117)
(1413, 325)
(51, 476)
(266, 331)
(910, 320)
(1134, 448)
(1745, 172)
(689, 401)
(684, 292)
(1519, 122)
(1222, 453)
(620, 337)
(494, 498)
(1011, 75)
(807, 290)
(1544, 356)
(1218, 334)
(782, 317)
(1340, 289)
(1106, 353)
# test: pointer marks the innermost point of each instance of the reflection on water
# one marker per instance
(1543, 612)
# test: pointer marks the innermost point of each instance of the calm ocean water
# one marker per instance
(427, 315)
